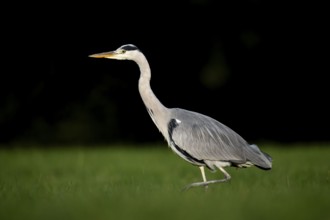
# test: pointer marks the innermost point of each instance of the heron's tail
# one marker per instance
(260, 159)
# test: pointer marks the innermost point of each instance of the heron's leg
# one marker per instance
(206, 183)
(203, 173)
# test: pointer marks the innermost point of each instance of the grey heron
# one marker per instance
(195, 137)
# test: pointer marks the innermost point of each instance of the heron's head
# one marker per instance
(125, 52)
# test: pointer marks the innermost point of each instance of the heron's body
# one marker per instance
(197, 138)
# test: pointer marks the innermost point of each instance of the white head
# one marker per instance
(125, 52)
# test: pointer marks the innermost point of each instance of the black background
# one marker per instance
(271, 60)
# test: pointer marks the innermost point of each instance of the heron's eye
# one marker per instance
(122, 51)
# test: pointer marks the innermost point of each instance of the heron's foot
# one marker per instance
(205, 184)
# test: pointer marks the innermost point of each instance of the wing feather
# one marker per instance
(207, 139)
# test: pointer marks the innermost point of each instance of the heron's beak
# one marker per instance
(108, 55)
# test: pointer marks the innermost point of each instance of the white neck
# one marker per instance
(157, 111)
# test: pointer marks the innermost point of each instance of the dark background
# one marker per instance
(256, 66)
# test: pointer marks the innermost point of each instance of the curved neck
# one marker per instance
(147, 95)
(157, 111)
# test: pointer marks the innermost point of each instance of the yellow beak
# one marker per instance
(103, 55)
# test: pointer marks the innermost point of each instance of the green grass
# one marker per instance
(145, 183)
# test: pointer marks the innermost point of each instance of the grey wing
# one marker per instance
(204, 138)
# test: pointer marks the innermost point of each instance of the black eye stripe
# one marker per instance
(129, 47)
